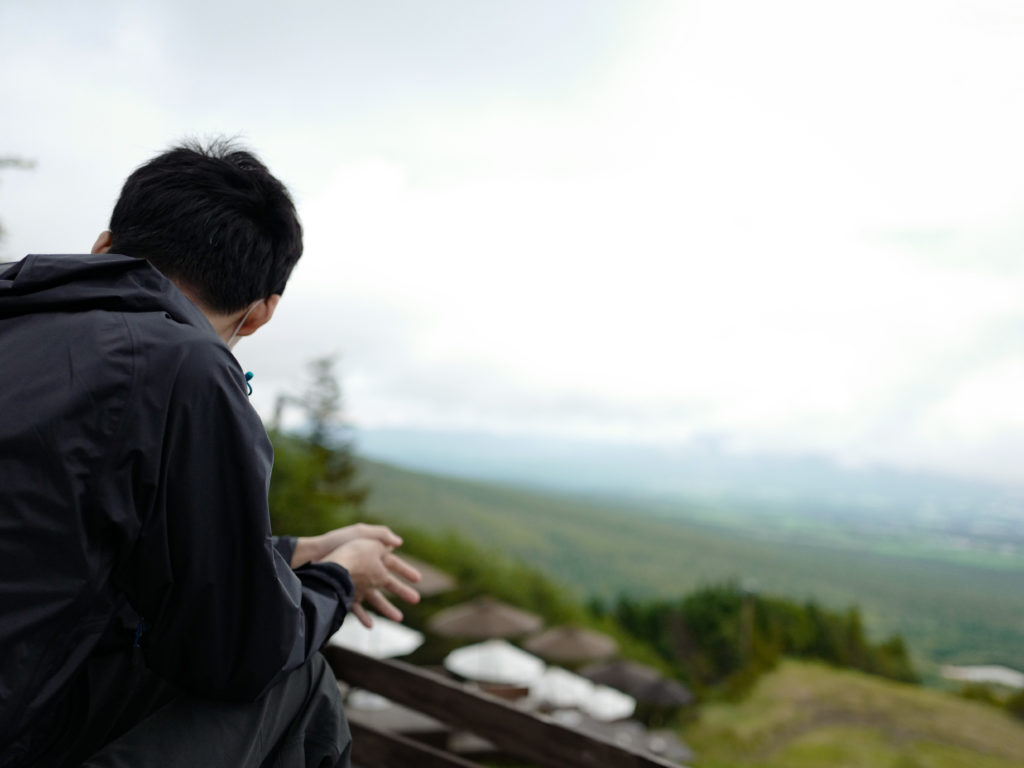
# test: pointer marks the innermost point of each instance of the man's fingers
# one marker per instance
(383, 606)
(398, 565)
(381, 533)
(399, 588)
(360, 613)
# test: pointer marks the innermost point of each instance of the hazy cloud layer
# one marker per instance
(795, 227)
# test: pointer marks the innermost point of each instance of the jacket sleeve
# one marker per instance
(285, 545)
(224, 614)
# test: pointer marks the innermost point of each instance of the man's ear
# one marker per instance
(103, 242)
(259, 315)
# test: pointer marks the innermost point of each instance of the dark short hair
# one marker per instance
(213, 218)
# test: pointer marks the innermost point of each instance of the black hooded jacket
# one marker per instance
(133, 479)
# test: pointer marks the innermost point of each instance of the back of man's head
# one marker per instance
(213, 219)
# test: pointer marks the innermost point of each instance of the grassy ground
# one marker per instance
(803, 715)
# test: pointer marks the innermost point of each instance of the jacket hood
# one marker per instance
(80, 282)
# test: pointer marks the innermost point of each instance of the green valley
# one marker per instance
(948, 612)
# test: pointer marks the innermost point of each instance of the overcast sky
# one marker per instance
(796, 226)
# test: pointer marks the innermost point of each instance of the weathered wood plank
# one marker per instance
(380, 749)
(524, 734)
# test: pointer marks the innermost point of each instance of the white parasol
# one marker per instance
(607, 704)
(385, 639)
(366, 701)
(495, 661)
(559, 688)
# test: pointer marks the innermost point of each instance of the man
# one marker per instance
(147, 615)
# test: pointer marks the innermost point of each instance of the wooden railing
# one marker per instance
(533, 737)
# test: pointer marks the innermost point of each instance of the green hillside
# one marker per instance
(806, 715)
(948, 612)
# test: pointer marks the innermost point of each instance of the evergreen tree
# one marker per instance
(314, 487)
(725, 636)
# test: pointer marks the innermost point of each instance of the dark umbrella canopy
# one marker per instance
(483, 618)
(569, 644)
(643, 683)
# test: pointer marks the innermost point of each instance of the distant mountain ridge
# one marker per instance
(809, 499)
(697, 468)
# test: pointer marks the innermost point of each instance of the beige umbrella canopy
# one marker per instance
(432, 581)
(639, 681)
(569, 644)
(483, 618)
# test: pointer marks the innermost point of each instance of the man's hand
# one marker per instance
(311, 548)
(373, 567)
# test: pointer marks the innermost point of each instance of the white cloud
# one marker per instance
(991, 399)
(793, 224)
(695, 249)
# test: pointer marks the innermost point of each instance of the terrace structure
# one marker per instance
(526, 736)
